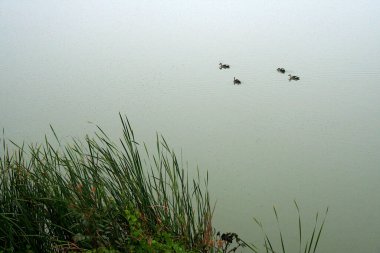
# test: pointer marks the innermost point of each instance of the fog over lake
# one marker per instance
(266, 142)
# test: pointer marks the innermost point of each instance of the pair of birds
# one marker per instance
(226, 66)
(291, 77)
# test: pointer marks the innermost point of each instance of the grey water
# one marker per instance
(266, 142)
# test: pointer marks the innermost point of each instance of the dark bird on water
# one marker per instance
(295, 78)
(236, 81)
(281, 70)
(224, 66)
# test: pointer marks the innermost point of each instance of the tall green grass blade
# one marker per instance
(55, 135)
(320, 230)
(299, 226)
(313, 233)
(278, 225)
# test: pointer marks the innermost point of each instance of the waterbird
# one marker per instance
(281, 70)
(296, 78)
(236, 81)
(224, 66)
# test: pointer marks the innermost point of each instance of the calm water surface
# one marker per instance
(266, 142)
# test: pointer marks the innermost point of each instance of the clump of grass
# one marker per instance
(308, 246)
(80, 195)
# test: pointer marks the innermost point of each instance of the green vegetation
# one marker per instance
(99, 196)
(311, 243)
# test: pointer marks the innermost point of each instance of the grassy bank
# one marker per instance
(96, 193)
